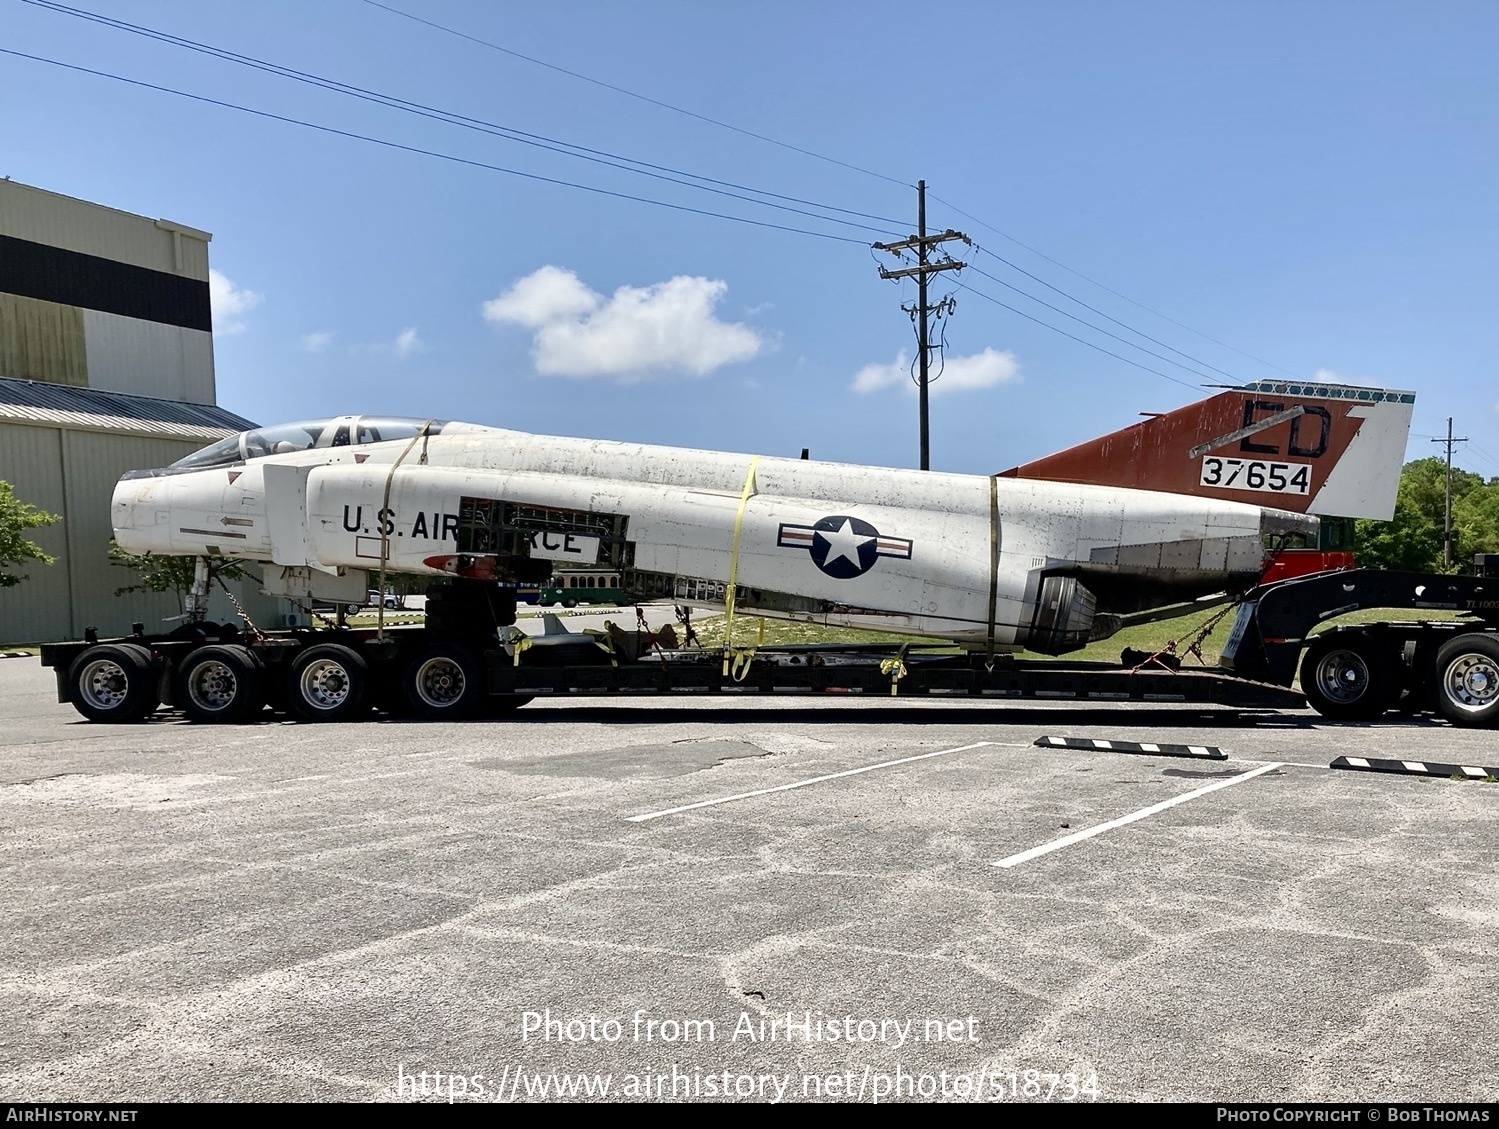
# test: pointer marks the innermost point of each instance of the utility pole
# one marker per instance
(1447, 520)
(924, 244)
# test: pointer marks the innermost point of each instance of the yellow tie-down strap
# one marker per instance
(606, 643)
(740, 664)
(894, 669)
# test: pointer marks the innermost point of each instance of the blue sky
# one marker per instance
(1311, 183)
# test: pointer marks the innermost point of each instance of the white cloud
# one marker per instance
(871, 378)
(229, 303)
(549, 294)
(959, 374)
(315, 342)
(407, 343)
(638, 333)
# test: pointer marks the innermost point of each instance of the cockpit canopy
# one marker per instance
(305, 435)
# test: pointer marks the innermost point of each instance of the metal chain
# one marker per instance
(313, 613)
(689, 636)
(239, 609)
(1194, 647)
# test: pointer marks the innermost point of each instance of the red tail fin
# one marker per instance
(1325, 449)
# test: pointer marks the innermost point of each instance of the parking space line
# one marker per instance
(1283, 764)
(1099, 829)
(818, 780)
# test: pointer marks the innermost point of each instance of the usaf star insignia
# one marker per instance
(841, 546)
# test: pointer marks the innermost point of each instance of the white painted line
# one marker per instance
(814, 780)
(1283, 764)
(1099, 829)
(1473, 771)
(1358, 762)
(1414, 766)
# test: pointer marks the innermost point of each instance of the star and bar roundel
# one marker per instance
(841, 546)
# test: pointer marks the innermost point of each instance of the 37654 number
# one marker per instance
(1256, 474)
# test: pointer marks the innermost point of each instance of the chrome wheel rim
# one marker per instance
(1343, 677)
(103, 684)
(1472, 682)
(325, 684)
(212, 686)
(440, 683)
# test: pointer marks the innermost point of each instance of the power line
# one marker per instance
(509, 133)
(1482, 453)
(1111, 290)
(611, 160)
(472, 163)
(1073, 336)
(859, 169)
(633, 94)
(1100, 313)
(1096, 328)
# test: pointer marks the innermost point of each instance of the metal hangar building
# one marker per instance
(106, 365)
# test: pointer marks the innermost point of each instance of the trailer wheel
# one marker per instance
(1346, 679)
(1467, 680)
(329, 682)
(220, 684)
(114, 682)
(444, 683)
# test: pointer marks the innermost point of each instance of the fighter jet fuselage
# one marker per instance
(1018, 562)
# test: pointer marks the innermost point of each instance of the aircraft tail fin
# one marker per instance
(1325, 449)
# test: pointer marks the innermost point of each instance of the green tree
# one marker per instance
(168, 574)
(15, 518)
(1475, 517)
(1412, 539)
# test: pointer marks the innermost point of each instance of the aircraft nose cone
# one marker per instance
(1281, 522)
(138, 515)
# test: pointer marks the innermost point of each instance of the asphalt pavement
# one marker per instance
(835, 898)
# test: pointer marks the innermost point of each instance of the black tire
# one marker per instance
(220, 684)
(114, 683)
(1347, 678)
(444, 682)
(329, 682)
(1465, 681)
(569, 603)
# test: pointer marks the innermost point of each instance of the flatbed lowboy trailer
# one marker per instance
(469, 660)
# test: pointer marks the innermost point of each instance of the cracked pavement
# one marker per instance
(282, 911)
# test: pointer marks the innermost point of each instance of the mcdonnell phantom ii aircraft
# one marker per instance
(1045, 556)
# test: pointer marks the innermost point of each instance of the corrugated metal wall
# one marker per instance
(38, 608)
(71, 470)
(46, 341)
(147, 358)
(92, 464)
(73, 473)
